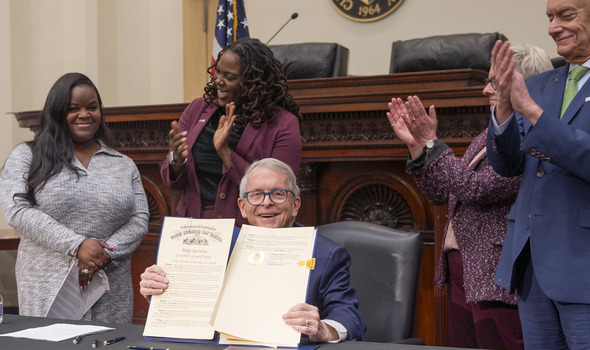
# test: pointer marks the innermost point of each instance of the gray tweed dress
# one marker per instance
(107, 202)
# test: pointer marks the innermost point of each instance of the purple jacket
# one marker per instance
(278, 139)
(479, 200)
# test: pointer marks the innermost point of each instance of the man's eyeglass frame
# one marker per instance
(492, 81)
(269, 194)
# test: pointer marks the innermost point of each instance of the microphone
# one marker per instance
(293, 16)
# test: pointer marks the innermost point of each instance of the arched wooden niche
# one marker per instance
(383, 199)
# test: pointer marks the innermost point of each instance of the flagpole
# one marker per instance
(205, 15)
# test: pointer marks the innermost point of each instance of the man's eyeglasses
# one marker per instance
(278, 196)
(492, 81)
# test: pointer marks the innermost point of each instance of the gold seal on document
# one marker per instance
(256, 258)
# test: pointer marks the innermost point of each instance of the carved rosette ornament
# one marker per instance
(378, 204)
(366, 10)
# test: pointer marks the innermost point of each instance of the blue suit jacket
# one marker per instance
(553, 204)
(329, 286)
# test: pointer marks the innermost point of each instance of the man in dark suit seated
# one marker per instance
(269, 197)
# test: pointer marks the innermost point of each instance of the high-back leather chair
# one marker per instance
(312, 60)
(441, 52)
(384, 271)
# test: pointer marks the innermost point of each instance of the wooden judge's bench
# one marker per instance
(353, 166)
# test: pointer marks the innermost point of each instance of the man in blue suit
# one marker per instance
(546, 254)
(269, 197)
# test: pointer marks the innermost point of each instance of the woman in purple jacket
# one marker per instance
(246, 114)
(481, 314)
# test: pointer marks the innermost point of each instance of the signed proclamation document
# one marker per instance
(267, 274)
(193, 253)
(71, 302)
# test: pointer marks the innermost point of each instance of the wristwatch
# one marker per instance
(429, 145)
(173, 161)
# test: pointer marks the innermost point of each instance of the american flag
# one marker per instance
(231, 25)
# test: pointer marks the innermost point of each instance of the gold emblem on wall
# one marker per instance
(366, 10)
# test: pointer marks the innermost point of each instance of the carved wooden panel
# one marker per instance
(379, 200)
(377, 203)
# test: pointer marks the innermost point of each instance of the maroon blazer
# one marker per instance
(278, 139)
(479, 200)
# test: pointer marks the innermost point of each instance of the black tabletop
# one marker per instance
(134, 336)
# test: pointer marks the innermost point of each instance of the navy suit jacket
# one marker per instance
(553, 205)
(329, 286)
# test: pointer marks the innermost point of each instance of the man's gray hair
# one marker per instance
(531, 60)
(273, 164)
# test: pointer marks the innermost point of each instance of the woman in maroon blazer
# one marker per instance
(481, 314)
(246, 114)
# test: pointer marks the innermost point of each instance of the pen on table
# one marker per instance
(77, 340)
(144, 348)
(95, 344)
(113, 341)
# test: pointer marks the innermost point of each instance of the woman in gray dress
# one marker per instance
(73, 200)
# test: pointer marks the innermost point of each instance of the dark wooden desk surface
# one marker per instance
(133, 336)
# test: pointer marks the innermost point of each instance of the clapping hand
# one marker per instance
(221, 137)
(510, 87)
(411, 123)
(177, 140)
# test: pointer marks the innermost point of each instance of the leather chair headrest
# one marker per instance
(312, 60)
(471, 50)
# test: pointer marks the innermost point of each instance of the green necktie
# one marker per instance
(571, 88)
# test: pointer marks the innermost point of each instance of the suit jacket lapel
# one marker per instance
(248, 137)
(478, 144)
(577, 103)
(198, 125)
(553, 94)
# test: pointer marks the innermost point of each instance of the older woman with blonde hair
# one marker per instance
(481, 314)
(531, 60)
